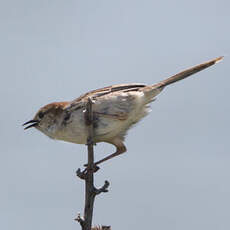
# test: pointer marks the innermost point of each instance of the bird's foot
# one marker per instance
(83, 174)
(94, 168)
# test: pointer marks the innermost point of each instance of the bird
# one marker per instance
(115, 109)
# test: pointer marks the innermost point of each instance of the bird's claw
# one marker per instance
(94, 167)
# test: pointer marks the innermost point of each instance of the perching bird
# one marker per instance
(116, 109)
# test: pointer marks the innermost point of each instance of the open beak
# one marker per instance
(32, 122)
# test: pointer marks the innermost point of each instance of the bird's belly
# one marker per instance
(75, 132)
(104, 130)
(107, 128)
(72, 137)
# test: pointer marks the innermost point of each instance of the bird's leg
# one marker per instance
(120, 149)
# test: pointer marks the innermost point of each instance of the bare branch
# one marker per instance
(103, 227)
(88, 175)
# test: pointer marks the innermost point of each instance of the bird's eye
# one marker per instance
(41, 115)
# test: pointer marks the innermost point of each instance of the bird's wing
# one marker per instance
(110, 89)
(106, 91)
(113, 102)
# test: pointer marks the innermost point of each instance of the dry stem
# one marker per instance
(88, 173)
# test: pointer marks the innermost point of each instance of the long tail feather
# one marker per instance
(152, 90)
(186, 73)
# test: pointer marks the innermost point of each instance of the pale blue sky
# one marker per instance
(176, 172)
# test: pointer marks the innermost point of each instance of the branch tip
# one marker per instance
(80, 219)
(81, 174)
(104, 188)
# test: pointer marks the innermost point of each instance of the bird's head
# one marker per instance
(48, 118)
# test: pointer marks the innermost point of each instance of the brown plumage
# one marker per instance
(116, 109)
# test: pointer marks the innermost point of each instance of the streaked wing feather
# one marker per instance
(80, 101)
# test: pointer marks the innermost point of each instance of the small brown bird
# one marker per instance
(116, 109)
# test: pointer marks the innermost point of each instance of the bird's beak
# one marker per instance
(34, 123)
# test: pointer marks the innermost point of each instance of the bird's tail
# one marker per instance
(156, 88)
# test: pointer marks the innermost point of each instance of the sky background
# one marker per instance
(176, 172)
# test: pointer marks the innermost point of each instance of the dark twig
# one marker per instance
(104, 188)
(80, 220)
(89, 180)
(88, 174)
(103, 227)
(81, 174)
